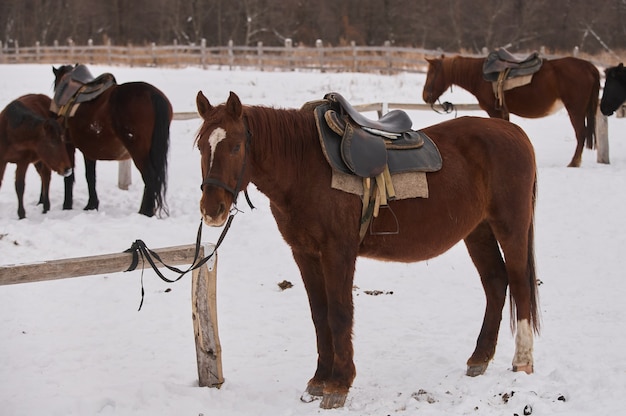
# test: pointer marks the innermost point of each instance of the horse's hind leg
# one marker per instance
(90, 174)
(44, 196)
(578, 122)
(150, 191)
(485, 253)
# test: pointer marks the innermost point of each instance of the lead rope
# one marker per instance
(139, 249)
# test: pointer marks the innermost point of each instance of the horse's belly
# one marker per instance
(413, 240)
(538, 111)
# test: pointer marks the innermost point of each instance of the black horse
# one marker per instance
(614, 93)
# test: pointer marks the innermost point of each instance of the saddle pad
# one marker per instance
(511, 83)
(407, 185)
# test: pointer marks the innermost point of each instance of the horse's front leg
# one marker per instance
(90, 175)
(20, 175)
(68, 199)
(328, 280)
(44, 195)
(338, 263)
(311, 270)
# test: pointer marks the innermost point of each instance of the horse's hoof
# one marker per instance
(91, 206)
(527, 368)
(476, 370)
(309, 398)
(333, 400)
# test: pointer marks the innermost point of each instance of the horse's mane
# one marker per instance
(288, 134)
(462, 69)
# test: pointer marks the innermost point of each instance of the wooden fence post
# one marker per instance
(204, 316)
(124, 174)
(203, 53)
(602, 137)
(320, 53)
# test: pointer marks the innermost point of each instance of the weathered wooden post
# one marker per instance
(602, 137)
(204, 316)
(203, 53)
(320, 53)
(124, 174)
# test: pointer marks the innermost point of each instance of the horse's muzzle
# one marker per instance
(216, 219)
(67, 172)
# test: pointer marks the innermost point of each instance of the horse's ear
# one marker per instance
(233, 106)
(621, 65)
(55, 71)
(203, 104)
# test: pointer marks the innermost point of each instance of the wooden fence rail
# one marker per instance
(203, 296)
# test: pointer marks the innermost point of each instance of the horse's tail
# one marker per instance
(592, 108)
(159, 148)
(535, 316)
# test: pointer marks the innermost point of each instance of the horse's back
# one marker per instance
(39, 103)
(482, 141)
(488, 174)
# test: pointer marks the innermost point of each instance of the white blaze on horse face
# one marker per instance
(523, 359)
(215, 138)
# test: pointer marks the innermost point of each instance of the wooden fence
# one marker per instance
(353, 58)
(203, 296)
(386, 59)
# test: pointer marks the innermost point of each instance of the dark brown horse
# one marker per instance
(484, 195)
(614, 91)
(570, 82)
(130, 120)
(29, 133)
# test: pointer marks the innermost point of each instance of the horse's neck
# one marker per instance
(282, 148)
(465, 72)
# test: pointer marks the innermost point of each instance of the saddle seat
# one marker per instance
(395, 121)
(502, 61)
(77, 87)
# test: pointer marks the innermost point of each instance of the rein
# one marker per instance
(139, 249)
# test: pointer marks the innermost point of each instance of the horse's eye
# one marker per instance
(236, 149)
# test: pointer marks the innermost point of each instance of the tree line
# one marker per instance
(449, 25)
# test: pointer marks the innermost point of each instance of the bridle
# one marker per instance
(447, 107)
(237, 189)
(140, 250)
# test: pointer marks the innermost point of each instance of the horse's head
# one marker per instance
(223, 141)
(61, 72)
(51, 147)
(614, 93)
(436, 81)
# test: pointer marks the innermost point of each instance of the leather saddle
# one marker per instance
(502, 61)
(371, 149)
(77, 87)
(356, 145)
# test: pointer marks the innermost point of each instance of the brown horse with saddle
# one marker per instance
(110, 121)
(478, 182)
(530, 87)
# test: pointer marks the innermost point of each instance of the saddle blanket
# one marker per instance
(407, 184)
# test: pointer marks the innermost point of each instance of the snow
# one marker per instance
(80, 347)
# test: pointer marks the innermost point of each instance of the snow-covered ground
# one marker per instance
(80, 347)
